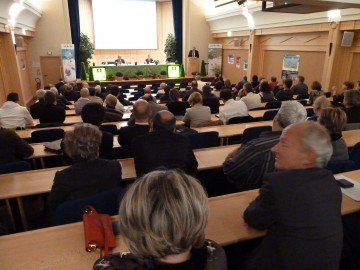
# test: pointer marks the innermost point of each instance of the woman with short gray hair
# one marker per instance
(163, 217)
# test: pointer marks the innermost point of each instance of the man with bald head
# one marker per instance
(82, 101)
(299, 205)
(162, 147)
(141, 112)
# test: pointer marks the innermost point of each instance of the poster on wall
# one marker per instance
(238, 62)
(290, 68)
(215, 59)
(68, 61)
(231, 59)
(246, 64)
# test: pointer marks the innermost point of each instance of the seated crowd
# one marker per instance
(164, 212)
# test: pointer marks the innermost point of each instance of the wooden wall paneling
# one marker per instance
(9, 70)
(355, 68)
(254, 52)
(230, 71)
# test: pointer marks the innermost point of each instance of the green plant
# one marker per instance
(83, 72)
(110, 77)
(203, 69)
(170, 48)
(86, 49)
(139, 73)
(162, 72)
(119, 74)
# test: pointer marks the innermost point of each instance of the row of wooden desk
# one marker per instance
(21, 184)
(62, 247)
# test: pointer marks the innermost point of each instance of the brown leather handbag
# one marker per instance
(98, 231)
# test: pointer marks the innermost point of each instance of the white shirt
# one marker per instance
(12, 115)
(119, 107)
(200, 85)
(232, 109)
(252, 100)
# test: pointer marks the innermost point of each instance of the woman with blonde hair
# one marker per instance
(197, 114)
(163, 217)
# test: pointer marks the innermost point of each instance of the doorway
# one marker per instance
(51, 69)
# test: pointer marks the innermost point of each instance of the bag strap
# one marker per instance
(91, 211)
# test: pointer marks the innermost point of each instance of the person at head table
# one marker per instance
(119, 60)
(193, 53)
(149, 60)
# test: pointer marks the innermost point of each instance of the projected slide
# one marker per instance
(125, 24)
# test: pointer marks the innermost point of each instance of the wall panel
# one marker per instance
(233, 73)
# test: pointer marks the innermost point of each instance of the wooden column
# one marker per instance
(254, 53)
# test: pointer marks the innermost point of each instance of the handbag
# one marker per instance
(98, 231)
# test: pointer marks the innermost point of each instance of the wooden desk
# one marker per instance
(62, 247)
(70, 112)
(351, 137)
(260, 113)
(21, 184)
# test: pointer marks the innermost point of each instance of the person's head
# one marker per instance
(96, 82)
(320, 103)
(273, 79)
(194, 48)
(265, 87)
(92, 91)
(141, 111)
(227, 83)
(149, 56)
(14, 97)
(85, 85)
(218, 86)
(39, 94)
(162, 85)
(54, 90)
(82, 143)
(49, 97)
(84, 93)
(68, 88)
(291, 112)
(301, 146)
(225, 94)
(255, 78)
(288, 83)
(163, 120)
(333, 119)
(167, 89)
(174, 95)
(347, 85)
(147, 90)
(315, 85)
(98, 89)
(170, 219)
(194, 84)
(110, 100)
(206, 89)
(351, 98)
(114, 90)
(195, 98)
(301, 79)
(148, 98)
(247, 88)
(93, 113)
(197, 77)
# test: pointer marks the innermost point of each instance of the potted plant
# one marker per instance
(110, 77)
(119, 76)
(86, 49)
(170, 48)
(140, 74)
(162, 74)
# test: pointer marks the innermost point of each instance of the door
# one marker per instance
(51, 69)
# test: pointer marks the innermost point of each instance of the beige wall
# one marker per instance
(52, 30)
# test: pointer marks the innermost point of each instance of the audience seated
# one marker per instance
(165, 229)
(320, 103)
(197, 114)
(218, 86)
(93, 97)
(200, 83)
(273, 83)
(161, 88)
(299, 205)
(13, 148)
(194, 88)
(299, 88)
(286, 93)
(255, 81)
(231, 107)
(251, 99)
(36, 108)
(334, 120)
(114, 90)
(162, 147)
(315, 92)
(111, 113)
(89, 175)
(175, 106)
(141, 113)
(215, 80)
(210, 99)
(165, 97)
(51, 112)
(338, 98)
(14, 116)
(70, 93)
(82, 101)
(246, 166)
(266, 93)
(352, 105)
(60, 99)
(94, 113)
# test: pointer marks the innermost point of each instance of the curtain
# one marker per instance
(178, 28)
(75, 32)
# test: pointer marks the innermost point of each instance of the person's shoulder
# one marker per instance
(124, 260)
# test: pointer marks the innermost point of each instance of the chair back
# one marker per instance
(340, 166)
(106, 202)
(257, 109)
(109, 128)
(12, 167)
(269, 115)
(303, 102)
(240, 119)
(253, 133)
(302, 96)
(48, 135)
(355, 155)
(275, 104)
(204, 139)
(126, 86)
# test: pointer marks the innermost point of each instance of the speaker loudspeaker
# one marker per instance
(347, 39)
